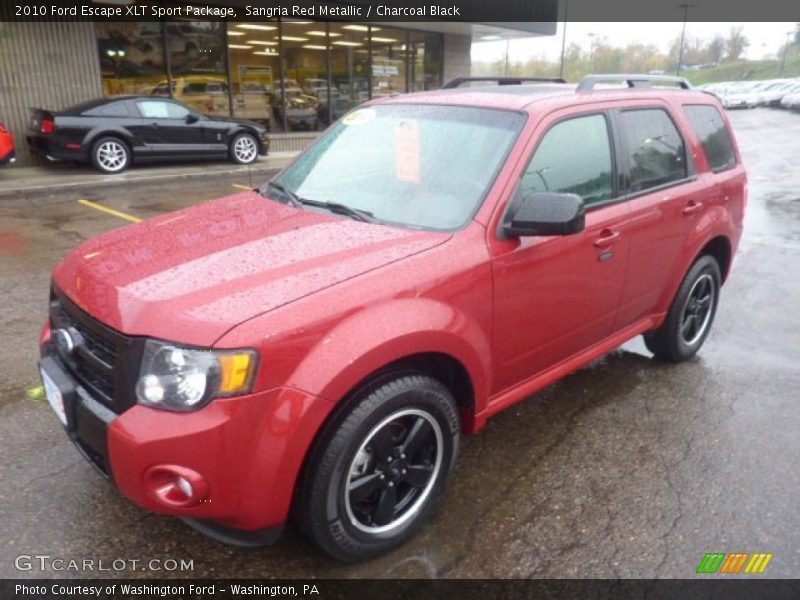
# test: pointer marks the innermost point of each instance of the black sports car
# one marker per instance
(111, 133)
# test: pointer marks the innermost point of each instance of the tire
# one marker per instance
(396, 490)
(110, 155)
(691, 316)
(243, 149)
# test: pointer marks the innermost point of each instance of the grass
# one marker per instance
(746, 70)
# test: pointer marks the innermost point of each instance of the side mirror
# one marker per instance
(192, 118)
(545, 213)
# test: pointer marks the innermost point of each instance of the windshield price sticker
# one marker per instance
(407, 152)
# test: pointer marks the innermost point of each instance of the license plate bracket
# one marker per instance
(59, 390)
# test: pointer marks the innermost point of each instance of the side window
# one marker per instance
(160, 109)
(654, 150)
(115, 109)
(573, 157)
(194, 88)
(709, 126)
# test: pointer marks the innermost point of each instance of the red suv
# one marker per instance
(316, 347)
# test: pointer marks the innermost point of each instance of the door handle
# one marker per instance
(606, 237)
(155, 125)
(692, 207)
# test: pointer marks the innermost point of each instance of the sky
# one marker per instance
(765, 38)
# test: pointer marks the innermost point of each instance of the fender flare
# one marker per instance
(369, 340)
(96, 133)
(715, 223)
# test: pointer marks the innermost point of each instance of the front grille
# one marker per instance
(103, 360)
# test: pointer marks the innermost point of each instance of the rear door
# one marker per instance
(665, 198)
(555, 296)
(715, 138)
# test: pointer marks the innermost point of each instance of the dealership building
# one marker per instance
(296, 75)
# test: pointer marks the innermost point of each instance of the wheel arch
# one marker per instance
(240, 129)
(443, 367)
(93, 136)
(718, 247)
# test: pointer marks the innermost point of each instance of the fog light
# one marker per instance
(175, 486)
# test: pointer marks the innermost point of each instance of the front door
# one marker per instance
(555, 296)
(165, 130)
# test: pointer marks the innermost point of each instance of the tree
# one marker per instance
(736, 43)
(716, 50)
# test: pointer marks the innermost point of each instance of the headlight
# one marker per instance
(180, 379)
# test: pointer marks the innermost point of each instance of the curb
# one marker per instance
(33, 186)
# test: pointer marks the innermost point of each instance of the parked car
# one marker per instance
(8, 153)
(300, 108)
(251, 101)
(771, 95)
(789, 89)
(317, 346)
(739, 100)
(791, 101)
(318, 89)
(112, 133)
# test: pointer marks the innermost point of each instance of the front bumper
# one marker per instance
(249, 450)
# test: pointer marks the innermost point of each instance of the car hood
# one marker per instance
(191, 275)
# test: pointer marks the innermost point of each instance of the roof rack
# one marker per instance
(500, 80)
(633, 81)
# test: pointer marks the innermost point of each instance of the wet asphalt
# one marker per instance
(627, 468)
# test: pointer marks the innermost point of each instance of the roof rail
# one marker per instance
(633, 81)
(454, 83)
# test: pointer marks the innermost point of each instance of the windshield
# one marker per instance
(423, 166)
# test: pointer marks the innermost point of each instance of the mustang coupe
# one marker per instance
(112, 133)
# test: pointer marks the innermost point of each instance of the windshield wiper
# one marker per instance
(294, 199)
(342, 209)
(334, 207)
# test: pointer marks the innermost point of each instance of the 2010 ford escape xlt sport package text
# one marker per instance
(314, 348)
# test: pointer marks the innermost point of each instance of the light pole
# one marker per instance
(563, 42)
(591, 52)
(785, 52)
(685, 8)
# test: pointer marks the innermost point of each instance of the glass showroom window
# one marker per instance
(305, 76)
(132, 58)
(254, 70)
(389, 58)
(197, 56)
(349, 66)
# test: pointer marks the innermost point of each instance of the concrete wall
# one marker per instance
(44, 65)
(457, 56)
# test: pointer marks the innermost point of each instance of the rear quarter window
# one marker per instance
(710, 128)
(115, 109)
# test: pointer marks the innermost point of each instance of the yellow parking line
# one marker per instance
(239, 186)
(109, 211)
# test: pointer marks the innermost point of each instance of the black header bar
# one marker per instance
(499, 12)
